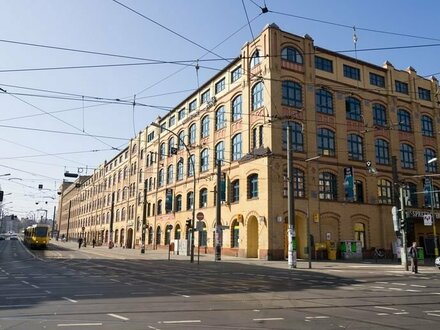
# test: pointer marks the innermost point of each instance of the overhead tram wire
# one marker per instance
(56, 154)
(351, 27)
(62, 132)
(27, 172)
(247, 18)
(61, 120)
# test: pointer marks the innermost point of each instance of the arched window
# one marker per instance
(236, 147)
(190, 200)
(235, 191)
(379, 115)
(327, 186)
(292, 55)
(220, 152)
(150, 235)
(427, 126)
(406, 156)
(297, 142)
(178, 203)
(255, 59)
(384, 191)
(382, 148)
(220, 120)
(353, 108)
(191, 165)
(292, 94)
(324, 101)
(170, 146)
(159, 207)
(257, 96)
(204, 160)
(252, 181)
(192, 134)
(235, 234)
(123, 214)
(237, 108)
(177, 232)
(205, 127)
(168, 229)
(118, 215)
(203, 198)
(181, 140)
(162, 151)
(170, 174)
(298, 183)
(430, 154)
(158, 235)
(180, 167)
(355, 145)
(410, 190)
(404, 120)
(326, 142)
(161, 178)
(203, 235)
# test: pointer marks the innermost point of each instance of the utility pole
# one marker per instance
(144, 217)
(112, 213)
(218, 224)
(404, 254)
(291, 203)
(53, 220)
(68, 221)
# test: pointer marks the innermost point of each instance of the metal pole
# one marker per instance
(404, 254)
(68, 221)
(434, 230)
(291, 206)
(144, 217)
(53, 220)
(112, 213)
(218, 223)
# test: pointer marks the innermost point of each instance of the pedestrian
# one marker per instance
(80, 240)
(413, 256)
(93, 242)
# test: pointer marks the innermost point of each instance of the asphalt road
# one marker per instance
(64, 287)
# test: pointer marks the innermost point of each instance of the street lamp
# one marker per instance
(309, 241)
(5, 174)
(434, 230)
(194, 187)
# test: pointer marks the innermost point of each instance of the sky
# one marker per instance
(63, 109)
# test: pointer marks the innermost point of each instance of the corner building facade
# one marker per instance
(343, 114)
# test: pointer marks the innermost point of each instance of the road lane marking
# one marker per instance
(418, 286)
(381, 282)
(118, 317)
(398, 283)
(77, 324)
(388, 308)
(432, 314)
(270, 319)
(412, 290)
(395, 289)
(436, 311)
(182, 321)
(434, 292)
(382, 314)
(401, 313)
(25, 282)
(35, 286)
(71, 300)
(378, 287)
(317, 317)
(181, 295)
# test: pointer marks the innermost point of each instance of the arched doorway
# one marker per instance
(252, 237)
(177, 232)
(116, 236)
(158, 235)
(122, 240)
(168, 229)
(150, 235)
(106, 237)
(129, 238)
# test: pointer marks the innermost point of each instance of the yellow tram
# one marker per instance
(37, 236)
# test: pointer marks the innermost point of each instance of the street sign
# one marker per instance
(427, 219)
(200, 216)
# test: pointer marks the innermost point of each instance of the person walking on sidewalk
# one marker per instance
(413, 255)
(93, 242)
(80, 240)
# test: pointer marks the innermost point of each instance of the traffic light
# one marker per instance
(188, 223)
(402, 224)
(1, 195)
(223, 188)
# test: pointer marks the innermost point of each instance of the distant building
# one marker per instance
(354, 115)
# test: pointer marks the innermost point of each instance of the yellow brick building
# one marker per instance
(343, 112)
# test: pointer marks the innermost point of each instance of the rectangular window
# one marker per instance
(352, 72)
(219, 86)
(401, 87)
(192, 106)
(424, 94)
(323, 64)
(377, 80)
(150, 137)
(181, 114)
(205, 97)
(236, 74)
(171, 121)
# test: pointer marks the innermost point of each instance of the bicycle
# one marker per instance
(379, 254)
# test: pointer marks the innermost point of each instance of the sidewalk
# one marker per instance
(162, 254)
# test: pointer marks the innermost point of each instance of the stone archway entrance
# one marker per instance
(129, 244)
(252, 237)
